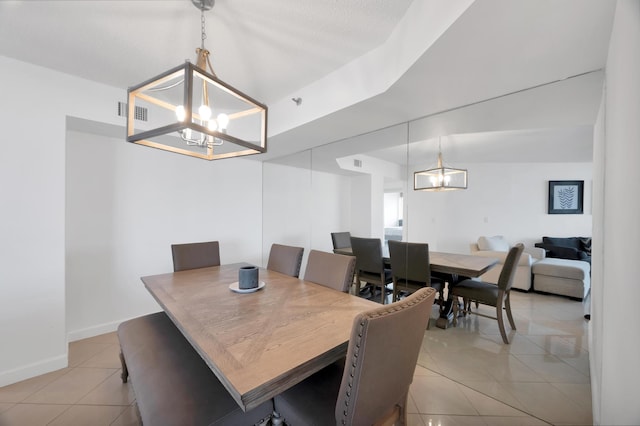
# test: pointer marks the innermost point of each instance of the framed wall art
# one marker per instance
(566, 196)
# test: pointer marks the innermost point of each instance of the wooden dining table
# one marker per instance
(261, 343)
(455, 265)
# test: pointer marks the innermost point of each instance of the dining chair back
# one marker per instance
(370, 264)
(341, 240)
(195, 255)
(285, 259)
(497, 295)
(373, 386)
(330, 270)
(411, 269)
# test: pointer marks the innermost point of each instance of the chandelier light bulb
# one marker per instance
(213, 125)
(180, 113)
(205, 112)
(223, 121)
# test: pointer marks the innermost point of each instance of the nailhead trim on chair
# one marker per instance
(382, 311)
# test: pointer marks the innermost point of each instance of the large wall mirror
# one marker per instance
(510, 146)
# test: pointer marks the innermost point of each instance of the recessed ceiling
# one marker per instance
(278, 48)
(265, 48)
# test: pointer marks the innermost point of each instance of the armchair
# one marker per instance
(497, 247)
(573, 248)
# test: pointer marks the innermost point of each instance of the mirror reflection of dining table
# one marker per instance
(258, 343)
(456, 266)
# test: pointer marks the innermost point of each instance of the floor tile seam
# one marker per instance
(484, 416)
(101, 405)
(69, 408)
(42, 403)
(84, 395)
(482, 393)
(139, 422)
(97, 368)
(110, 347)
(38, 389)
(502, 402)
(564, 363)
(571, 398)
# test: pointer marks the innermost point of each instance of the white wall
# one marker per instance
(33, 106)
(331, 208)
(286, 203)
(508, 199)
(126, 204)
(615, 346)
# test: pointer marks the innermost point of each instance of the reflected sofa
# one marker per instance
(572, 248)
(498, 247)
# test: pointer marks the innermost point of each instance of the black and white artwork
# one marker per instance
(565, 196)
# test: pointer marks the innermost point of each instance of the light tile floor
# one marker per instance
(465, 376)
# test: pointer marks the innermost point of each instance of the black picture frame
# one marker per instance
(566, 196)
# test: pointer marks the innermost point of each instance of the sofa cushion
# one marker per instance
(572, 242)
(497, 243)
(525, 259)
(564, 268)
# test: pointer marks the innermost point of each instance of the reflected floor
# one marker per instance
(465, 376)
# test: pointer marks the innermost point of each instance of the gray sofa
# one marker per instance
(572, 248)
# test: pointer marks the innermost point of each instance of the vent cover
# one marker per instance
(139, 114)
(357, 163)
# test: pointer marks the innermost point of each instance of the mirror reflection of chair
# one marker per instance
(370, 264)
(341, 240)
(285, 259)
(490, 294)
(330, 270)
(411, 270)
(195, 255)
(373, 386)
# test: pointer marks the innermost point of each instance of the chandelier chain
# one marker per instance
(203, 31)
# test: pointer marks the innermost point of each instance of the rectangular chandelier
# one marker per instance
(440, 179)
(192, 112)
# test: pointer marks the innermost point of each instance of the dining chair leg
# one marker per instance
(455, 310)
(500, 319)
(441, 302)
(125, 371)
(509, 315)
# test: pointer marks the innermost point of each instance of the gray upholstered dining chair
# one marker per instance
(373, 385)
(341, 240)
(411, 270)
(370, 264)
(195, 255)
(285, 259)
(330, 270)
(497, 295)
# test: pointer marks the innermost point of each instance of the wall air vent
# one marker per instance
(140, 112)
(357, 163)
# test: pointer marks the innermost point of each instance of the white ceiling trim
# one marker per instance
(372, 73)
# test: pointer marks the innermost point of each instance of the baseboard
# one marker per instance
(96, 330)
(33, 370)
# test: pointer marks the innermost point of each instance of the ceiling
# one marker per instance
(432, 57)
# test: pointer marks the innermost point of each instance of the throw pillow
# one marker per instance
(497, 243)
(585, 243)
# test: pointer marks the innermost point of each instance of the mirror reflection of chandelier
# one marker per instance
(192, 112)
(441, 177)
